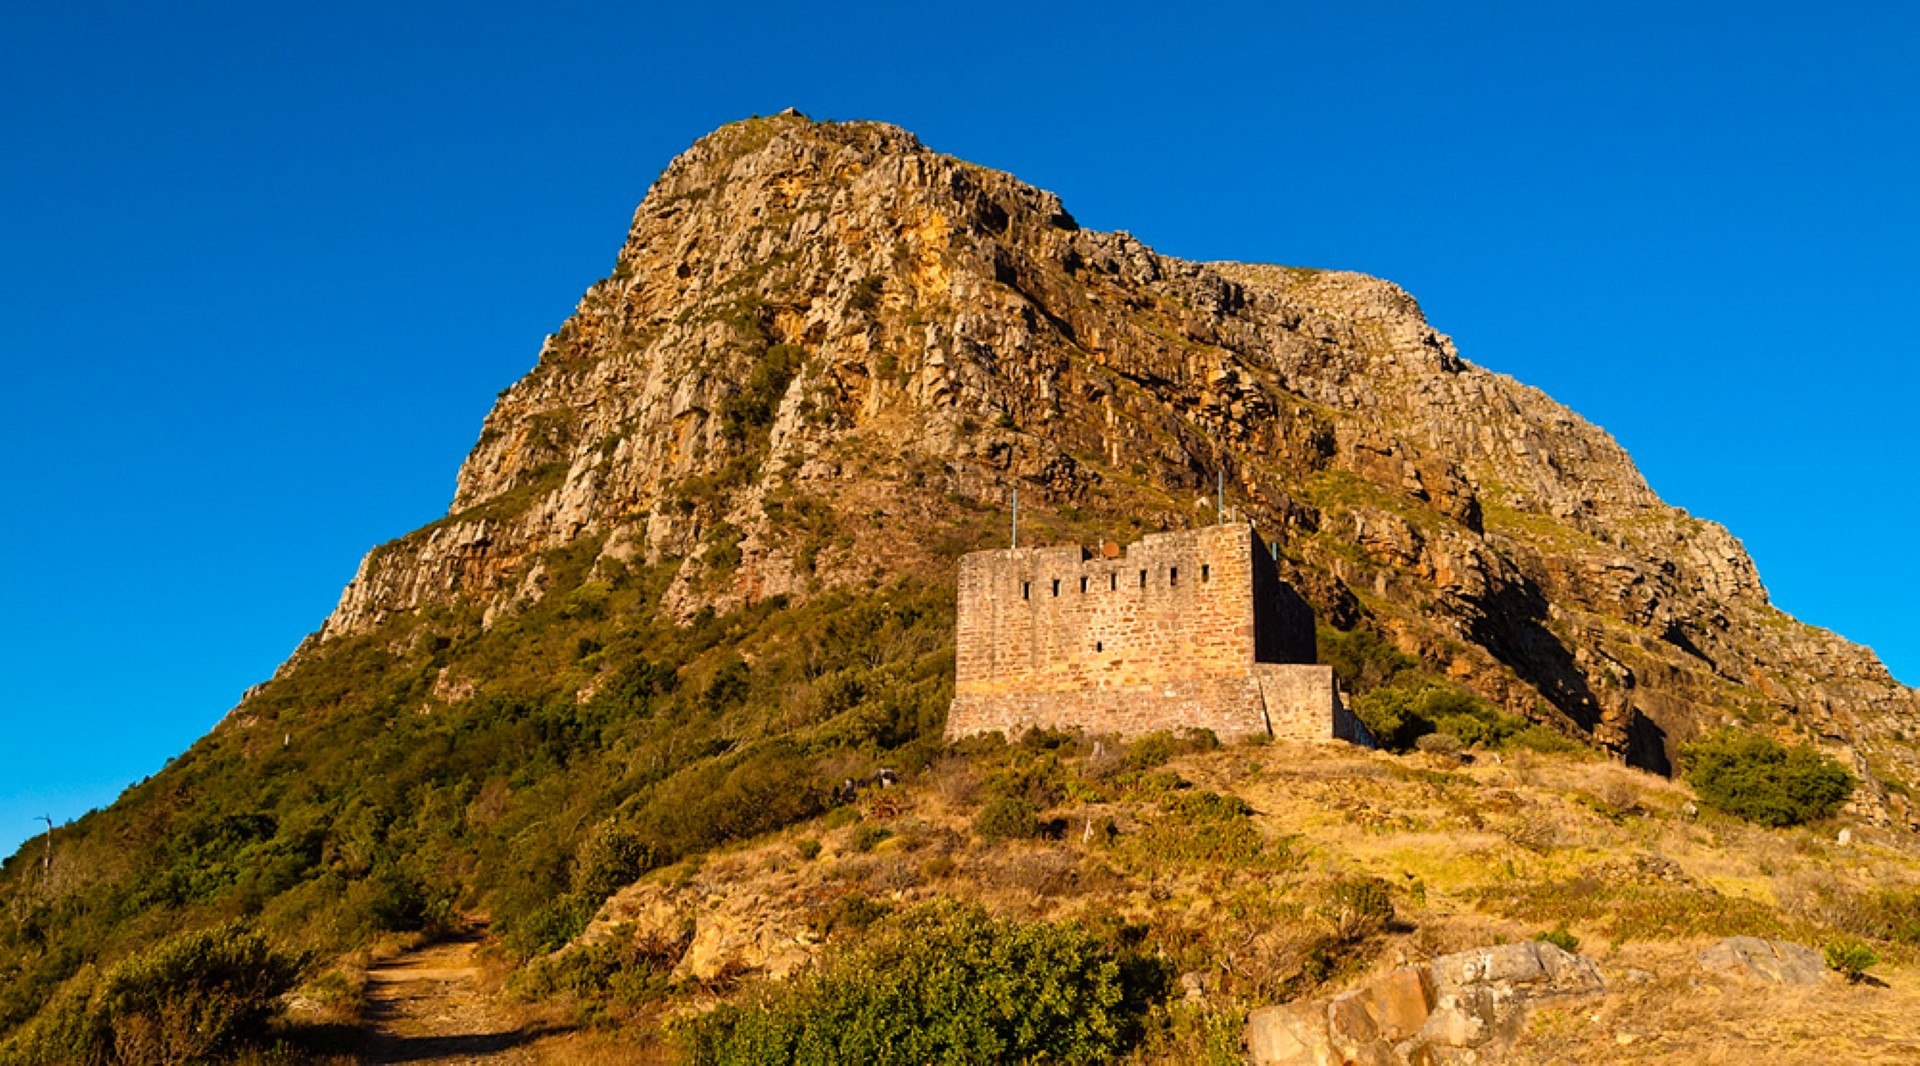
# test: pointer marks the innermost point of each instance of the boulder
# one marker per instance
(1292, 1034)
(1772, 961)
(1531, 969)
(1451, 1010)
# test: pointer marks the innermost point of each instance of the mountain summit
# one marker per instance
(660, 702)
(828, 355)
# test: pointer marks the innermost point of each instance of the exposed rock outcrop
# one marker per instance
(825, 354)
(1458, 1008)
(1772, 961)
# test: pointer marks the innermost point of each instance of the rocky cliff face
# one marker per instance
(827, 353)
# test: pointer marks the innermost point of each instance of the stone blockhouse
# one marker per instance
(1179, 630)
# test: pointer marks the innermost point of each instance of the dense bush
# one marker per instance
(1851, 958)
(1545, 739)
(1759, 779)
(1154, 749)
(198, 996)
(943, 983)
(1357, 907)
(1400, 701)
(866, 836)
(1362, 659)
(552, 926)
(609, 860)
(624, 970)
(1560, 938)
(1199, 826)
(1400, 714)
(1007, 818)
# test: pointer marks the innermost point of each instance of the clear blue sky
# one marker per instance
(265, 266)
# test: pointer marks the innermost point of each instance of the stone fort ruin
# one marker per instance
(1191, 629)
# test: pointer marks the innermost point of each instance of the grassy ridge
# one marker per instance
(432, 767)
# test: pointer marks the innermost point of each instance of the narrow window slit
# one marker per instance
(1113, 582)
(1206, 572)
(1026, 590)
(1056, 586)
(1083, 586)
(1173, 575)
(1143, 579)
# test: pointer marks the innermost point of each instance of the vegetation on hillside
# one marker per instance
(1762, 780)
(1404, 704)
(1218, 878)
(436, 767)
(940, 983)
(197, 996)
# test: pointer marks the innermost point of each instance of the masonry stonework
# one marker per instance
(1180, 630)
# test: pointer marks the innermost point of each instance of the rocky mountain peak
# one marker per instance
(827, 353)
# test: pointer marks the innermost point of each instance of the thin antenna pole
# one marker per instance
(46, 862)
(1016, 518)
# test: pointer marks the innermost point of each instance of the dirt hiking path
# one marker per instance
(430, 1005)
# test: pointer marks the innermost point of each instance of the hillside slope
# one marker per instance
(826, 354)
(1240, 872)
(697, 571)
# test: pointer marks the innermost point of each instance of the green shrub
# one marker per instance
(866, 836)
(1439, 744)
(1545, 739)
(1199, 826)
(612, 858)
(1045, 738)
(624, 970)
(1154, 749)
(1201, 805)
(941, 983)
(1362, 659)
(199, 995)
(1007, 818)
(1560, 938)
(808, 848)
(851, 913)
(1851, 958)
(1357, 907)
(1399, 715)
(753, 407)
(69, 1029)
(771, 785)
(1037, 780)
(865, 294)
(1149, 751)
(551, 926)
(1759, 779)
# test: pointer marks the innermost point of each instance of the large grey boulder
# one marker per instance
(1773, 961)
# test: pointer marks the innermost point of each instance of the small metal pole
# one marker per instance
(46, 863)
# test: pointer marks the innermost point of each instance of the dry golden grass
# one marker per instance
(1496, 849)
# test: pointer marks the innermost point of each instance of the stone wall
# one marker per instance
(1164, 634)
(1303, 703)
(1230, 707)
(1174, 606)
